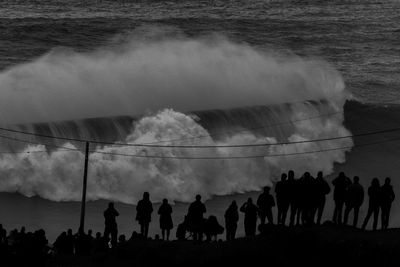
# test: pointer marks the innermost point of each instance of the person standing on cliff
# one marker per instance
(144, 209)
(111, 227)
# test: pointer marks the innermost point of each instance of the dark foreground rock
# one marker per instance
(327, 245)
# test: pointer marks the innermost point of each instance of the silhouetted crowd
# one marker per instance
(298, 201)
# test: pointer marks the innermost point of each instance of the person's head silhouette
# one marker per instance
(387, 181)
(198, 197)
(291, 175)
(250, 200)
(320, 175)
(146, 196)
(111, 205)
(375, 182)
(283, 177)
(165, 201)
(356, 179)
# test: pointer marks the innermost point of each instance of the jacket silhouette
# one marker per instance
(282, 198)
(341, 183)
(144, 209)
(250, 217)
(293, 196)
(166, 224)
(322, 188)
(374, 193)
(231, 221)
(354, 200)
(265, 202)
(309, 195)
(195, 218)
(110, 215)
(387, 197)
(212, 228)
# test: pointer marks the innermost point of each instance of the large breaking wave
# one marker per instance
(168, 80)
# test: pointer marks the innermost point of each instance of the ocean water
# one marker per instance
(48, 44)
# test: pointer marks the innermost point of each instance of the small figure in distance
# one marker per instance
(166, 224)
(341, 183)
(144, 209)
(387, 197)
(293, 196)
(265, 202)
(3, 234)
(282, 198)
(111, 227)
(354, 200)
(181, 229)
(374, 193)
(195, 218)
(231, 221)
(250, 217)
(100, 244)
(322, 188)
(213, 228)
(60, 244)
(122, 241)
(308, 190)
(70, 242)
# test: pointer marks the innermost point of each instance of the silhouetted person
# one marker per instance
(70, 242)
(231, 221)
(144, 209)
(166, 224)
(309, 198)
(82, 243)
(265, 202)
(301, 198)
(213, 228)
(354, 200)
(181, 229)
(90, 235)
(3, 234)
(195, 218)
(387, 197)
(292, 196)
(341, 183)
(322, 188)
(250, 217)
(374, 193)
(282, 198)
(60, 244)
(21, 234)
(111, 228)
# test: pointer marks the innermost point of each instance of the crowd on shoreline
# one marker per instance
(302, 199)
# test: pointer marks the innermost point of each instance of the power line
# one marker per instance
(251, 156)
(164, 141)
(243, 130)
(36, 143)
(249, 129)
(254, 145)
(153, 144)
(215, 146)
(217, 158)
(25, 152)
(181, 139)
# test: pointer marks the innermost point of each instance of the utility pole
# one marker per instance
(83, 203)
